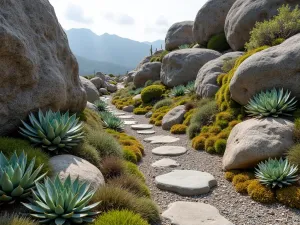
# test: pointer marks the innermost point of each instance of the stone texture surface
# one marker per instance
(274, 67)
(103, 91)
(210, 19)
(181, 66)
(65, 165)
(101, 76)
(128, 122)
(97, 82)
(186, 182)
(146, 132)
(179, 34)
(147, 59)
(149, 71)
(169, 150)
(91, 106)
(194, 213)
(165, 162)
(206, 83)
(255, 140)
(243, 15)
(128, 108)
(174, 116)
(126, 117)
(111, 87)
(37, 67)
(90, 89)
(161, 139)
(142, 127)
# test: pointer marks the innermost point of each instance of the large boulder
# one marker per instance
(129, 77)
(97, 82)
(255, 140)
(65, 165)
(90, 89)
(149, 71)
(37, 67)
(101, 76)
(182, 66)
(147, 59)
(206, 83)
(274, 67)
(243, 15)
(210, 20)
(174, 116)
(111, 87)
(179, 34)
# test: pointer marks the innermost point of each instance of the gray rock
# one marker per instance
(206, 83)
(149, 71)
(274, 67)
(147, 59)
(186, 182)
(142, 127)
(130, 122)
(181, 66)
(126, 117)
(161, 139)
(256, 140)
(101, 76)
(137, 97)
(65, 165)
(165, 163)
(97, 82)
(128, 108)
(91, 106)
(174, 116)
(169, 150)
(148, 114)
(103, 91)
(90, 89)
(146, 132)
(119, 113)
(38, 69)
(243, 15)
(111, 87)
(210, 19)
(179, 34)
(194, 213)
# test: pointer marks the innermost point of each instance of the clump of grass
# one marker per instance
(162, 103)
(14, 219)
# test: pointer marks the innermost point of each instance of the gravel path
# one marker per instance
(239, 209)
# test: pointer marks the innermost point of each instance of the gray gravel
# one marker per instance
(237, 208)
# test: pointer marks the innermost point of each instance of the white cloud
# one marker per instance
(119, 18)
(76, 13)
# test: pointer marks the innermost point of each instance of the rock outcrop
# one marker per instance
(149, 71)
(90, 89)
(174, 116)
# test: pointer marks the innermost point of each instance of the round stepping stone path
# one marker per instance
(166, 162)
(169, 150)
(142, 127)
(146, 131)
(126, 117)
(130, 122)
(118, 114)
(161, 139)
(194, 213)
(186, 182)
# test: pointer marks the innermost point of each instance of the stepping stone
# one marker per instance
(194, 213)
(165, 163)
(161, 139)
(169, 150)
(142, 127)
(129, 122)
(118, 113)
(126, 117)
(186, 182)
(146, 132)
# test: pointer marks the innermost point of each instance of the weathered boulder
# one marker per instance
(243, 15)
(147, 59)
(256, 140)
(90, 89)
(274, 67)
(128, 108)
(206, 83)
(181, 66)
(37, 67)
(210, 19)
(149, 71)
(103, 91)
(174, 116)
(97, 82)
(101, 76)
(129, 77)
(65, 165)
(179, 34)
(111, 87)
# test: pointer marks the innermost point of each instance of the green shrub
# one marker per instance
(148, 83)
(218, 42)
(193, 130)
(14, 219)
(296, 131)
(289, 196)
(260, 193)
(162, 103)
(91, 119)
(178, 91)
(278, 41)
(285, 25)
(129, 156)
(293, 155)
(185, 46)
(178, 129)
(101, 105)
(112, 167)
(123, 217)
(87, 152)
(190, 88)
(131, 168)
(220, 146)
(152, 92)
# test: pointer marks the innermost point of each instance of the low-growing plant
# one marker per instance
(289, 196)
(293, 155)
(296, 131)
(162, 103)
(129, 155)
(190, 88)
(101, 105)
(148, 83)
(228, 64)
(185, 46)
(112, 167)
(152, 92)
(111, 121)
(260, 193)
(218, 42)
(15, 219)
(178, 91)
(178, 129)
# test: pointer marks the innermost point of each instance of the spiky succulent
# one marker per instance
(190, 87)
(101, 105)
(276, 173)
(271, 103)
(62, 203)
(185, 46)
(111, 121)
(17, 178)
(178, 91)
(53, 131)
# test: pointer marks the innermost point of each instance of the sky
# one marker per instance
(138, 20)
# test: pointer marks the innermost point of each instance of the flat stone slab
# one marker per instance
(165, 162)
(161, 139)
(130, 122)
(169, 150)
(186, 182)
(126, 117)
(118, 113)
(194, 213)
(146, 132)
(142, 127)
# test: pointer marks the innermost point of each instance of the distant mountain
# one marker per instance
(109, 48)
(88, 67)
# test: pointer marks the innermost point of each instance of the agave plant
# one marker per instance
(276, 173)
(271, 103)
(178, 91)
(185, 46)
(111, 121)
(53, 131)
(17, 178)
(101, 105)
(62, 203)
(190, 87)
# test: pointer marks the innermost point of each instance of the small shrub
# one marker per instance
(148, 83)
(278, 41)
(87, 152)
(241, 187)
(123, 217)
(111, 121)
(14, 219)
(242, 177)
(229, 175)
(133, 169)
(190, 88)
(209, 144)
(101, 105)
(178, 129)
(91, 119)
(220, 146)
(112, 167)
(193, 130)
(158, 123)
(151, 93)
(293, 155)
(260, 193)
(178, 91)
(135, 150)
(296, 131)
(162, 103)
(129, 156)
(289, 196)
(140, 111)
(198, 143)
(218, 43)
